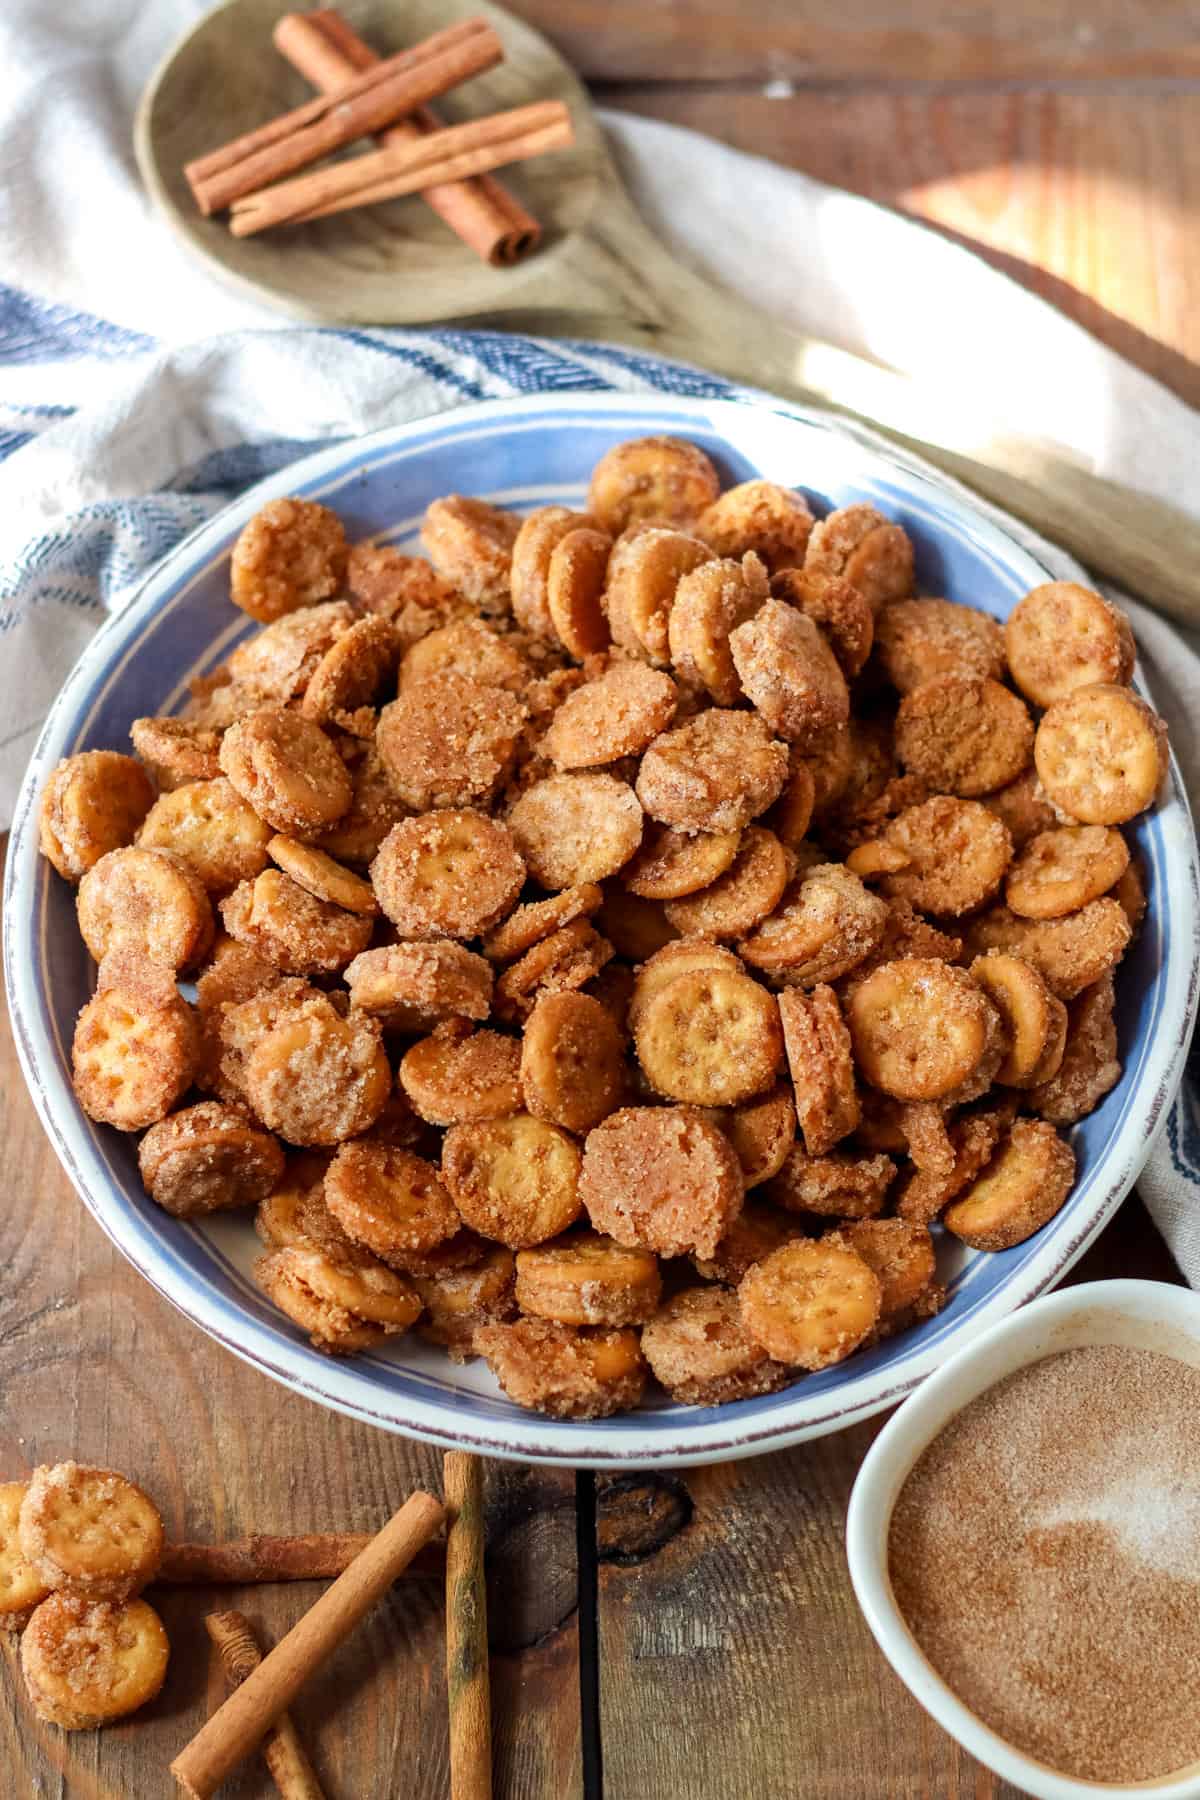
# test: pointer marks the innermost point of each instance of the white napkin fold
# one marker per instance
(124, 420)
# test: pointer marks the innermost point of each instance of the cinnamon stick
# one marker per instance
(324, 47)
(466, 1631)
(447, 155)
(242, 1562)
(367, 103)
(237, 1726)
(284, 1754)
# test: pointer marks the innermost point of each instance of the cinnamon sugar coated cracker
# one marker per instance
(588, 1279)
(761, 517)
(89, 1532)
(91, 804)
(276, 665)
(407, 590)
(549, 893)
(21, 1587)
(918, 640)
(389, 1200)
(566, 960)
(210, 827)
(575, 591)
(148, 902)
(663, 480)
(411, 987)
(663, 1178)
(788, 670)
(669, 863)
(451, 874)
(709, 604)
(449, 740)
(860, 545)
(89, 1662)
(175, 751)
(459, 1300)
(291, 554)
(616, 715)
(351, 675)
(288, 927)
(529, 572)
(345, 1303)
(134, 1054)
(645, 569)
(570, 1372)
(470, 544)
(286, 768)
(700, 1351)
(527, 925)
(716, 773)
(742, 896)
(319, 875)
(837, 607)
(576, 828)
(452, 1079)
(208, 1158)
(468, 646)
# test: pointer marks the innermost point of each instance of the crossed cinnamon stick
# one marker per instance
(264, 1686)
(327, 51)
(364, 95)
(248, 1561)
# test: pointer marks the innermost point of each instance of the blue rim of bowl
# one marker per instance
(673, 1435)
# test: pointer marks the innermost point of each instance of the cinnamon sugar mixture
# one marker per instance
(1045, 1552)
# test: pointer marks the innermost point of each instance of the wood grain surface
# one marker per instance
(873, 41)
(705, 1642)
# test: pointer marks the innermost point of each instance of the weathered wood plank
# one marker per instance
(94, 1365)
(877, 42)
(1087, 198)
(731, 1644)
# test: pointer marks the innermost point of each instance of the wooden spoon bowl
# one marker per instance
(395, 263)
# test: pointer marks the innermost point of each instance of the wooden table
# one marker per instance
(670, 1635)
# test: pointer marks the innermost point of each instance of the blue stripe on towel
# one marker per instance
(33, 330)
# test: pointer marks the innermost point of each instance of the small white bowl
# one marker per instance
(1141, 1315)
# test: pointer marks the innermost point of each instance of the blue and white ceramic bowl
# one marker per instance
(525, 453)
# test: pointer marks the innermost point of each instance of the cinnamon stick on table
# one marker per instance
(446, 155)
(241, 1723)
(368, 102)
(324, 47)
(466, 1631)
(284, 1754)
(315, 1556)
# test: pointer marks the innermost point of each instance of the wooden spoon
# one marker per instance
(599, 274)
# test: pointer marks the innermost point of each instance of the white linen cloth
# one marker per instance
(137, 394)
